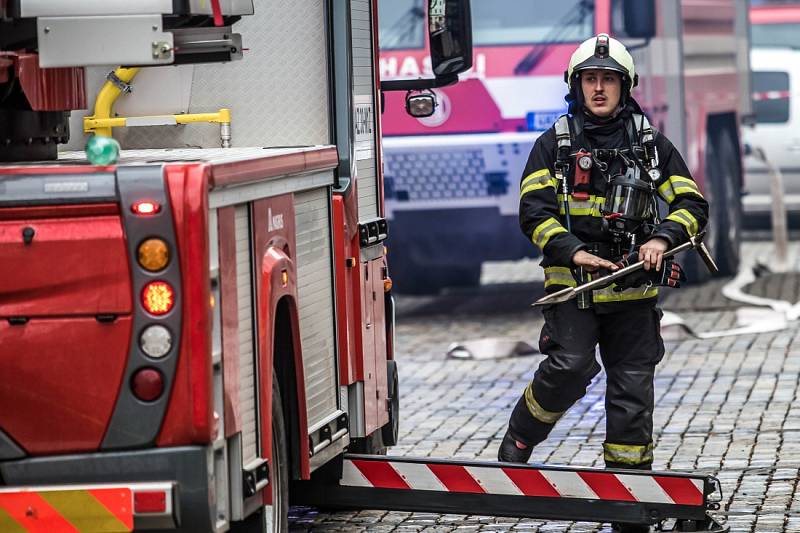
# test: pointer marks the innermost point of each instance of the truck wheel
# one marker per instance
(391, 430)
(727, 192)
(723, 192)
(274, 518)
(277, 519)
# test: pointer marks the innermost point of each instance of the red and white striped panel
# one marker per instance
(590, 485)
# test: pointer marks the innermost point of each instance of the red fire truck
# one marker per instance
(187, 330)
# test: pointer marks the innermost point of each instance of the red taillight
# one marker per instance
(147, 384)
(158, 298)
(145, 207)
(150, 501)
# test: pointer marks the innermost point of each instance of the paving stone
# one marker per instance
(728, 407)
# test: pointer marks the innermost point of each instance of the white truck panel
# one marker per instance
(316, 303)
(285, 59)
(247, 362)
(364, 110)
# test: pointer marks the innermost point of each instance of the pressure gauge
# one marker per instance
(655, 174)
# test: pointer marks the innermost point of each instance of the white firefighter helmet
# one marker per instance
(602, 52)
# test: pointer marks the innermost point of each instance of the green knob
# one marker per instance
(102, 150)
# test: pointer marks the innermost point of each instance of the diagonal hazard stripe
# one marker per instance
(682, 491)
(83, 511)
(34, 513)
(456, 478)
(531, 482)
(607, 486)
(119, 501)
(9, 525)
(381, 474)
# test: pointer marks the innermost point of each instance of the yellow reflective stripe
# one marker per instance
(9, 525)
(534, 175)
(545, 231)
(666, 192)
(629, 454)
(608, 294)
(84, 511)
(683, 185)
(591, 207)
(537, 411)
(537, 180)
(677, 185)
(686, 219)
(559, 276)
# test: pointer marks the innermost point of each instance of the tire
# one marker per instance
(728, 191)
(278, 520)
(390, 432)
(274, 518)
(724, 228)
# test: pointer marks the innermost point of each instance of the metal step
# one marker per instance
(514, 490)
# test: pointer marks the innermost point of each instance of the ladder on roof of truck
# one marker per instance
(515, 490)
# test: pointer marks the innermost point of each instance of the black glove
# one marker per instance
(670, 275)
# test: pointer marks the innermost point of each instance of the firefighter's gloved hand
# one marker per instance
(670, 275)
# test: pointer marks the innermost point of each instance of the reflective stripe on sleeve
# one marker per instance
(591, 207)
(628, 454)
(545, 231)
(538, 180)
(555, 275)
(686, 219)
(677, 185)
(537, 411)
(608, 294)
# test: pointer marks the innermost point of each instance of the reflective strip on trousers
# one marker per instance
(546, 230)
(636, 293)
(591, 207)
(537, 180)
(555, 275)
(677, 185)
(537, 411)
(686, 219)
(628, 454)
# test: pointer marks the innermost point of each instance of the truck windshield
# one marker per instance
(494, 22)
(785, 35)
(505, 22)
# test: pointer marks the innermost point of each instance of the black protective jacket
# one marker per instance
(541, 210)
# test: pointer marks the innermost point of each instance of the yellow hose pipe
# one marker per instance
(104, 104)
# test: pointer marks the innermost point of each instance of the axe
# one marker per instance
(569, 293)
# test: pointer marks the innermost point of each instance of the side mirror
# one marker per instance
(450, 30)
(639, 17)
(450, 37)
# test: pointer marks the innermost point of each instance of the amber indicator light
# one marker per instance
(153, 255)
(158, 298)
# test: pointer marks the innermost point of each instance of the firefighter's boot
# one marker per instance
(510, 452)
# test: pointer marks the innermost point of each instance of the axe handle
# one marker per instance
(622, 272)
(570, 293)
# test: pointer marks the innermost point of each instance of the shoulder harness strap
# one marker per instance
(645, 135)
(563, 145)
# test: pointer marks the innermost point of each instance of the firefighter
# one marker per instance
(588, 200)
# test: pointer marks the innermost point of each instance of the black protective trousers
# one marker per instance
(630, 348)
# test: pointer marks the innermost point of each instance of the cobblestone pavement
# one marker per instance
(727, 406)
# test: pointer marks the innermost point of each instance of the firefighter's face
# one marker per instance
(601, 91)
